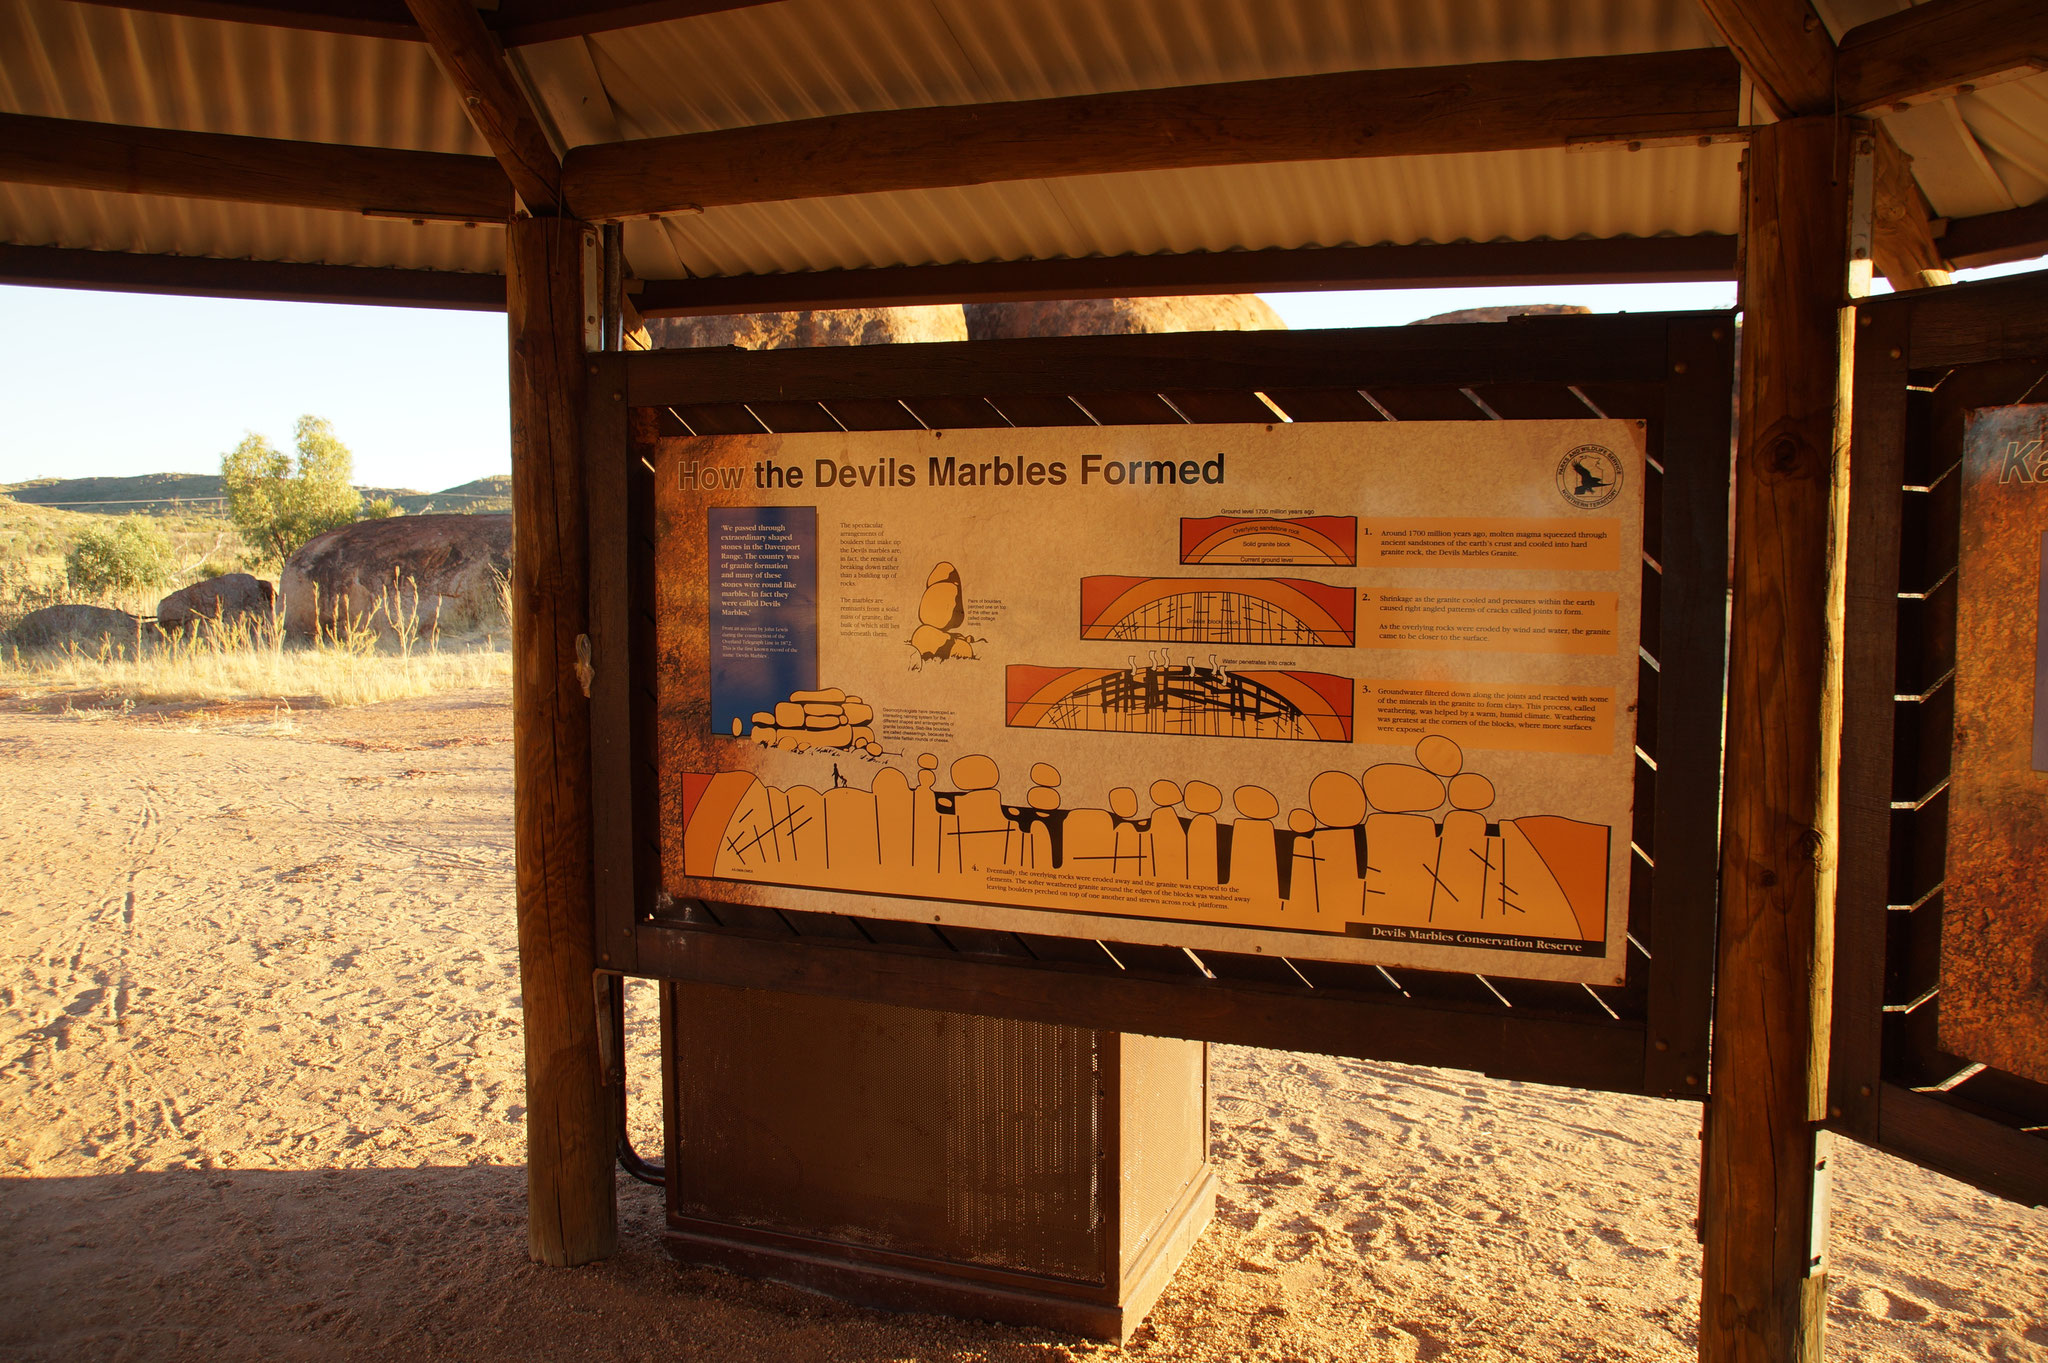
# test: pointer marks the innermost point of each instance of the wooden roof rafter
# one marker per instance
(516, 23)
(1931, 51)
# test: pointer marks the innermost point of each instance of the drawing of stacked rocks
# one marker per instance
(940, 613)
(825, 718)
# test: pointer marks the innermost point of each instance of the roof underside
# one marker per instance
(1984, 152)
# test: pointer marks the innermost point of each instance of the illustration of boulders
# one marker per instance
(940, 612)
(85, 626)
(825, 718)
(432, 572)
(219, 600)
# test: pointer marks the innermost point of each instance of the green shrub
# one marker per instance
(130, 555)
(279, 504)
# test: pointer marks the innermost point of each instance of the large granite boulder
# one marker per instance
(1120, 316)
(424, 572)
(1503, 313)
(219, 600)
(88, 627)
(839, 326)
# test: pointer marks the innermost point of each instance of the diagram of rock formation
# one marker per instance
(1245, 611)
(940, 612)
(1162, 697)
(825, 718)
(1266, 539)
(1399, 847)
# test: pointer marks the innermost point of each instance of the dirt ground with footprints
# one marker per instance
(260, 1098)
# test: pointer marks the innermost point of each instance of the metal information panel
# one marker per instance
(1994, 950)
(1346, 692)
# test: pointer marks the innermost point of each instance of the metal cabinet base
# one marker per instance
(928, 1161)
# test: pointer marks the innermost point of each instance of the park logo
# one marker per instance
(1589, 477)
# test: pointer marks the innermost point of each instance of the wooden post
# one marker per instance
(570, 1124)
(1762, 1217)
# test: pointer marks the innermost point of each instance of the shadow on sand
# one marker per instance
(227, 1265)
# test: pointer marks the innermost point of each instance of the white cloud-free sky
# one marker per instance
(117, 384)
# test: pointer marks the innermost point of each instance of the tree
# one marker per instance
(124, 556)
(278, 504)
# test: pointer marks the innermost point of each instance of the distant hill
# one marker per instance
(186, 493)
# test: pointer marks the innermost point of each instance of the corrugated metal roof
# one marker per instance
(805, 58)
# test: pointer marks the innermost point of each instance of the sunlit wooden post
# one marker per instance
(571, 1125)
(1765, 1289)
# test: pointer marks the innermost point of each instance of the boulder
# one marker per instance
(1120, 316)
(86, 626)
(223, 599)
(786, 330)
(1503, 313)
(440, 572)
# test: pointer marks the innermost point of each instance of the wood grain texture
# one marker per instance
(1497, 106)
(1902, 243)
(570, 1123)
(282, 281)
(1997, 238)
(1618, 260)
(1595, 351)
(1870, 645)
(1519, 1044)
(499, 110)
(608, 452)
(1929, 51)
(120, 159)
(1684, 731)
(1763, 1299)
(516, 22)
(1785, 48)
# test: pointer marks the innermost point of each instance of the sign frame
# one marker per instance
(1924, 360)
(1674, 372)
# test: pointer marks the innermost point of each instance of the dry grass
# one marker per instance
(362, 662)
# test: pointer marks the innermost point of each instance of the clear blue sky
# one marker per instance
(108, 383)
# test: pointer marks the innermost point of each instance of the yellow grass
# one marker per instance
(358, 664)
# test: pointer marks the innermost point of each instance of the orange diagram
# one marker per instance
(1164, 698)
(1219, 610)
(1270, 539)
(1402, 845)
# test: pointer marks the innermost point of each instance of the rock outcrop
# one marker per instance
(425, 572)
(783, 330)
(86, 626)
(1120, 316)
(1503, 313)
(222, 600)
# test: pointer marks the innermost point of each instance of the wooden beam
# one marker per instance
(1902, 241)
(1497, 106)
(520, 22)
(1764, 1293)
(276, 281)
(473, 62)
(1544, 1049)
(570, 1115)
(516, 22)
(1619, 260)
(127, 160)
(1937, 50)
(1997, 238)
(1785, 48)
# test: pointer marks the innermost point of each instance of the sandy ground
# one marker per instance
(260, 1099)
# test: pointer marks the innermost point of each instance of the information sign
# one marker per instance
(1354, 692)
(1994, 941)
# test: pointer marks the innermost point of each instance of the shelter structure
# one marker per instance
(576, 163)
